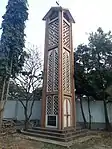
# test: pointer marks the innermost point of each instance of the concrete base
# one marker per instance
(44, 140)
(79, 138)
(65, 135)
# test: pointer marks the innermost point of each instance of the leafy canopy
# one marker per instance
(12, 38)
(93, 65)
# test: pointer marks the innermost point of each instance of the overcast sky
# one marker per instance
(88, 14)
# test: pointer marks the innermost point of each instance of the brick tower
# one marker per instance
(58, 104)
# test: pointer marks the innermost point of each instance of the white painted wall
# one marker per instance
(97, 111)
(14, 109)
(10, 108)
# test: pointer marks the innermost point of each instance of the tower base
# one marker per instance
(64, 135)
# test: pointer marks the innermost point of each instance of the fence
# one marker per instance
(15, 110)
(97, 113)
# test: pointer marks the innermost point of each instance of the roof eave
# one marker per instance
(59, 8)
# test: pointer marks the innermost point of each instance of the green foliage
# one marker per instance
(93, 65)
(16, 92)
(12, 38)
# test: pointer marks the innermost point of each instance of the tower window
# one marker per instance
(51, 121)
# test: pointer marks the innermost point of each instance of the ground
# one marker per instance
(99, 141)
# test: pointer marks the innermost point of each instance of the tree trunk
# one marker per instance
(89, 112)
(108, 126)
(26, 119)
(4, 95)
(1, 112)
(2, 101)
(3, 89)
(8, 80)
(83, 115)
(7, 89)
(26, 125)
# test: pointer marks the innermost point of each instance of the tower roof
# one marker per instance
(59, 9)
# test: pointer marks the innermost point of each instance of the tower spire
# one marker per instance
(57, 2)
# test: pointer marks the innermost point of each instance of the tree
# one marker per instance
(96, 61)
(12, 44)
(83, 85)
(29, 82)
(38, 93)
(80, 98)
(15, 91)
(89, 111)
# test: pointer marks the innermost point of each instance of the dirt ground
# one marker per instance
(99, 141)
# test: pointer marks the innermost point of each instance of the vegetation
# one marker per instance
(93, 67)
(12, 45)
(20, 76)
(28, 83)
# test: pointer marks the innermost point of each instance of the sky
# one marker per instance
(88, 15)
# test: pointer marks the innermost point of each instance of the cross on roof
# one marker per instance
(57, 2)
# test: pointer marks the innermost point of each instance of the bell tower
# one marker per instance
(58, 103)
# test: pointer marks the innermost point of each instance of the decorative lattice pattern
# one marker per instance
(52, 77)
(49, 105)
(50, 71)
(53, 33)
(55, 104)
(52, 105)
(55, 83)
(66, 72)
(66, 35)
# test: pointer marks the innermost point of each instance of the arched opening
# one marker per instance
(67, 113)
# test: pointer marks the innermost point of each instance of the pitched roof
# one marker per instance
(59, 9)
